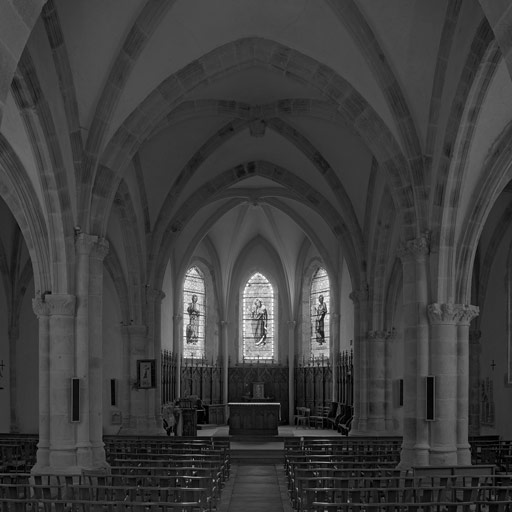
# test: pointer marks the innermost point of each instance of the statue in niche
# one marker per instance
(260, 317)
(193, 322)
(320, 312)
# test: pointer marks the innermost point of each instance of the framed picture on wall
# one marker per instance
(146, 377)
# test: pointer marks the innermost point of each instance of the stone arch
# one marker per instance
(139, 35)
(114, 268)
(496, 173)
(133, 251)
(354, 21)
(41, 131)
(381, 251)
(284, 129)
(18, 193)
(27, 11)
(456, 146)
(280, 285)
(277, 58)
(296, 190)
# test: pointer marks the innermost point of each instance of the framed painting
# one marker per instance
(146, 377)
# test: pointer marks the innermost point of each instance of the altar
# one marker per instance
(254, 418)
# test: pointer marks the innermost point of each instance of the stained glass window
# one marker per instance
(194, 308)
(258, 319)
(320, 329)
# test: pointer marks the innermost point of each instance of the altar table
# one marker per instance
(254, 418)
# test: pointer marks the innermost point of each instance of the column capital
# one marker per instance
(449, 313)
(361, 295)
(154, 295)
(91, 245)
(469, 312)
(416, 247)
(60, 304)
(376, 335)
(137, 329)
(100, 249)
(391, 334)
(41, 307)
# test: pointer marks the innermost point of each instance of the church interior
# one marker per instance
(284, 220)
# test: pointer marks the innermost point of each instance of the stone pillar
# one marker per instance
(96, 384)
(154, 300)
(463, 384)
(90, 253)
(335, 351)
(291, 370)
(225, 367)
(376, 382)
(42, 310)
(450, 366)
(83, 247)
(475, 350)
(62, 456)
(390, 424)
(14, 335)
(414, 257)
(178, 350)
(127, 380)
(139, 407)
(359, 422)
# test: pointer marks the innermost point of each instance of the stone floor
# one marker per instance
(257, 481)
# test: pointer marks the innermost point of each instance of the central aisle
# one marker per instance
(251, 488)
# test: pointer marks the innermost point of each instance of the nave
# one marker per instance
(301, 470)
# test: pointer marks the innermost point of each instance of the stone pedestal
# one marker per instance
(414, 256)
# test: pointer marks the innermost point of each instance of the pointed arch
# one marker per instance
(194, 311)
(258, 313)
(257, 51)
(319, 315)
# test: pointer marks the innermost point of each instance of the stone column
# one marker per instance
(414, 257)
(225, 367)
(359, 422)
(138, 403)
(291, 370)
(377, 382)
(62, 447)
(475, 350)
(444, 364)
(14, 335)
(42, 310)
(154, 300)
(335, 351)
(96, 384)
(83, 247)
(127, 381)
(390, 423)
(178, 350)
(463, 384)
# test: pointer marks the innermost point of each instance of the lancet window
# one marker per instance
(320, 300)
(258, 313)
(194, 308)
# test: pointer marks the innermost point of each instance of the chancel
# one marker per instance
(249, 232)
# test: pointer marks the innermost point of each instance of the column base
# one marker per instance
(443, 457)
(414, 456)
(464, 455)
